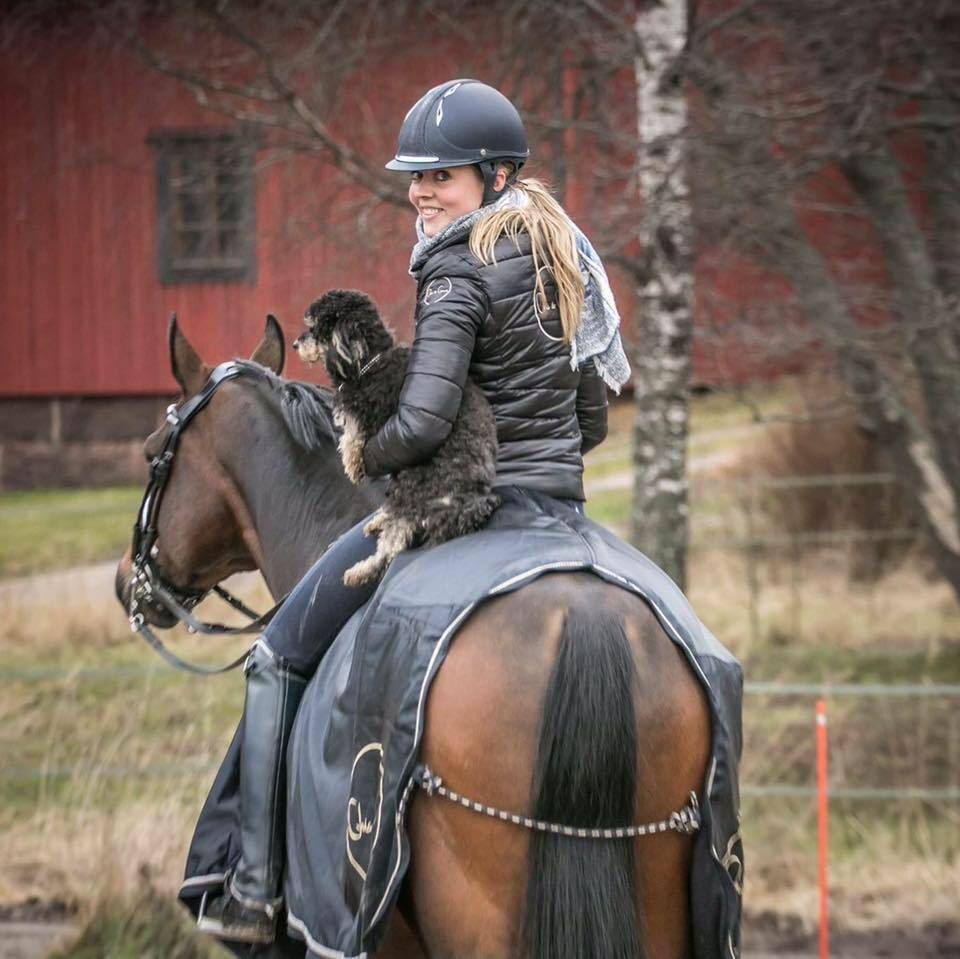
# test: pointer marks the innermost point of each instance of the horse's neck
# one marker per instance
(299, 504)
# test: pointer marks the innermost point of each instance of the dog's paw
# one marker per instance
(366, 571)
(375, 524)
(351, 453)
(351, 447)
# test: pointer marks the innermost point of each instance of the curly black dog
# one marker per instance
(450, 495)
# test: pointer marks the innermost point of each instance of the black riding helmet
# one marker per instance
(462, 123)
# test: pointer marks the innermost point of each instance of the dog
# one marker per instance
(449, 496)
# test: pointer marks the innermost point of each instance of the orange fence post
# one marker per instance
(822, 832)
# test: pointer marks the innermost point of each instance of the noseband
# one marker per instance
(147, 585)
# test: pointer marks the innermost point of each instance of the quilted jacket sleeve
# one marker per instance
(591, 407)
(451, 311)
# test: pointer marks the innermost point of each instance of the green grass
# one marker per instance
(608, 460)
(722, 422)
(826, 662)
(728, 409)
(611, 508)
(56, 529)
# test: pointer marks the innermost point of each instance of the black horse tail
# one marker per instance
(581, 893)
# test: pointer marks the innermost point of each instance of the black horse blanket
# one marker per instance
(355, 741)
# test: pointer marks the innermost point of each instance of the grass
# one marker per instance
(611, 508)
(148, 926)
(720, 423)
(104, 770)
(890, 867)
(56, 529)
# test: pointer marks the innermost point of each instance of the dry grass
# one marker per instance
(82, 855)
(52, 529)
(809, 604)
(84, 836)
(91, 793)
(888, 869)
(73, 618)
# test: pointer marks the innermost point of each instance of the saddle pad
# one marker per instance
(358, 729)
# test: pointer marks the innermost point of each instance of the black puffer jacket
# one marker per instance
(479, 320)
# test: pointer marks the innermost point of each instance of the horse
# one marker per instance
(593, 707)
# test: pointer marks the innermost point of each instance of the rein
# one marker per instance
(146, 583)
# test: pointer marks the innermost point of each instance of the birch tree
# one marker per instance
(659, 518)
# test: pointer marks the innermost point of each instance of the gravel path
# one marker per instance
(81, 581)
(696, 464)
(86, 580)
(31, 940)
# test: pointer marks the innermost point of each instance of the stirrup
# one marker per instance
(237, 918)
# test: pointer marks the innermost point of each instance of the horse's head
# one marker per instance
(201, 532)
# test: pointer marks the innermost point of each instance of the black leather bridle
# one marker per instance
(146, 583)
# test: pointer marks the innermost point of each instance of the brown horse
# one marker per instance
(565, 700)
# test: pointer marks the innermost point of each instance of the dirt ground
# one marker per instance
(768, 934)
(32, 930)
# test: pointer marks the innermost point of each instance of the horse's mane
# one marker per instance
(307, 409)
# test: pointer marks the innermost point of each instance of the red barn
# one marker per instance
(123, 200)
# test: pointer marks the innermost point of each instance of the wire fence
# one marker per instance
(904, 739)
(832, 559)
(777, 591)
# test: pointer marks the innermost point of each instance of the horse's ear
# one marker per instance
(270, 350)
(185, 363)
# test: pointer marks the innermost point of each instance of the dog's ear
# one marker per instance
(323, 315)
(349, 342)
(313, 316)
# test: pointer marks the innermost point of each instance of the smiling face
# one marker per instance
(442, 196)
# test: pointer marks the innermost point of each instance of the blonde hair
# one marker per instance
(552, 244)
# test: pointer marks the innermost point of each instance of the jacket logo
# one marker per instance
(436, 290)
(542, 305)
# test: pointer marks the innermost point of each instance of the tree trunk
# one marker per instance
(942, 179)
(916, 302)
(659, 524)
(881, 407)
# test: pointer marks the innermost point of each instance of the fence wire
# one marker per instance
(888, 742)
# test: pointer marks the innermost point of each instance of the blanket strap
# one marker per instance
(685, 820)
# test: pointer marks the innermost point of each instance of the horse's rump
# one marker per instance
(362, 720)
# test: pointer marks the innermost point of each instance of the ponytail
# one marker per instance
(552, 244)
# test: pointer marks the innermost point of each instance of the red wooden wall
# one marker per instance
(83, 311)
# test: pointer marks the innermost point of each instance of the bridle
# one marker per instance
(147, 585)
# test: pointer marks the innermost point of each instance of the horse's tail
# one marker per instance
(581, 893)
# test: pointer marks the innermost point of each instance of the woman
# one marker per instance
(510, 293)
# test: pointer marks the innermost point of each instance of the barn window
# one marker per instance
(206, 204)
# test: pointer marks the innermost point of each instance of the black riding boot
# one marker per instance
(247, 911)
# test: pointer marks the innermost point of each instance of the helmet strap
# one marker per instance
(488, 170)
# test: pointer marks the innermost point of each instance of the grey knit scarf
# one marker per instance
(598, 337)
